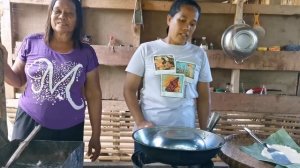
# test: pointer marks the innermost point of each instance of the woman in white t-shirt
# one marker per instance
(171, 94)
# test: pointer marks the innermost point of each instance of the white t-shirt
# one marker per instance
(166, 110)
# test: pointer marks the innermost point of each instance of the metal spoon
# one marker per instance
(22, 146)
(277, 156)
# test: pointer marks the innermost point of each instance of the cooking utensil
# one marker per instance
(45, 154)
(278, 157)
(212, 122)
(239, 40)
(23, 145)
(137, 17)
(261, 32)
(232, 155)
(179, 146)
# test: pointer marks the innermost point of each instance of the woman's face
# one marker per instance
(63, 16)
(182, 25)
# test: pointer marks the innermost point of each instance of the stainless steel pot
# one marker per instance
(178, 145)
(239, 41)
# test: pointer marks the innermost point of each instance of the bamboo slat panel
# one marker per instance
(116, 132)
(232, 122)
(116, 135)
(263, 114)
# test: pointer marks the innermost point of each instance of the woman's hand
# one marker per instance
(3, 53)
(144, 124)
(94, 148)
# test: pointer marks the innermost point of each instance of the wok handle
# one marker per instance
(255, 137)
(212, 122)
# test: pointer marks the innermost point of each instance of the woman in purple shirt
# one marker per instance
(61, 75)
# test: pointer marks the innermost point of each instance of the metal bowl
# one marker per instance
(239, 41)
(178, 145)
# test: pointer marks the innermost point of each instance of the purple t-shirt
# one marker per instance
(54, 95)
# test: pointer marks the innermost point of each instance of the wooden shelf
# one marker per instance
(255, 103)
(280, 60)
(159, 5)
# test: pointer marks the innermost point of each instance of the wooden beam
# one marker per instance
(103, 4)
(35, 2)
(109, 4)
(255, 103)
(136, 35)
(164, 5)
(220, 8)
(6, 36)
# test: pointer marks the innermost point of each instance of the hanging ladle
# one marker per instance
(261, 32)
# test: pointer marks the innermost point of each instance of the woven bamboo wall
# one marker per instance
(264, 114)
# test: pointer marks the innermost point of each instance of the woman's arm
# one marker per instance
(94, 101)
(131, 86)
(203, 104)
(14, 76)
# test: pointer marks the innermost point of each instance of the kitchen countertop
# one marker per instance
(129, 165)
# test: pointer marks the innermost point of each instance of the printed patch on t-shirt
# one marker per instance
(164, 64)
(172, 85)
(186, 68)
(52, 81)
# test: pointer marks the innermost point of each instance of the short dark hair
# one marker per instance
(175, 8)
(76, 37)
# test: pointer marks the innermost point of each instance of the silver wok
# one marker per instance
(178, 145)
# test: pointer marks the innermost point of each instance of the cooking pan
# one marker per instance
(178, 146)
(239, 40)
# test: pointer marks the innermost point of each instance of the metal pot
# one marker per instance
(178, 146)
(239, 41)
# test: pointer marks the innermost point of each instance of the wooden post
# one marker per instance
(235, 73)
(3, 118)
(3, 122)
(137, 21)
(6, 36)
(235, 80)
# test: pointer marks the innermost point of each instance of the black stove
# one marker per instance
(139, 160)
